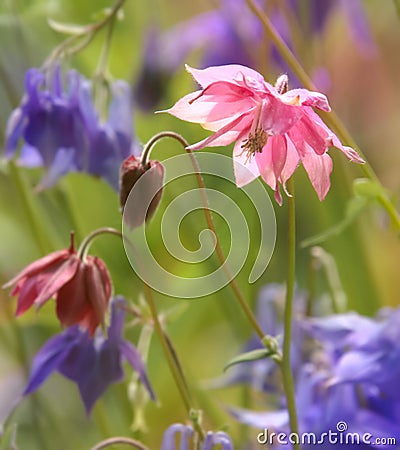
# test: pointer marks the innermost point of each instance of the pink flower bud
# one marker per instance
(148, 192)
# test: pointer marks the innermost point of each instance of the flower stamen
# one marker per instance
(254, 143)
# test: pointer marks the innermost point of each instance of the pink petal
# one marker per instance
(184, 110)
(224, 136)
(220, 101)
(303, 97)
(40, 265)
(271, 160)
(98, 290)
(318, 168)
(278, 117)
(351, 154)
(309, 131)
(28, 291)
(292, 161)
(58, 279)
(245, 171)
(72, 303)
(223, 73)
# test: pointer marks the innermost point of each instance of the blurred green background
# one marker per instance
(206, 332)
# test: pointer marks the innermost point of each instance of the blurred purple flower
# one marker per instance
(314, 15)
(220, 439)
(62, 131)
(345, 367)
(226, 35)
(92, 363)
(374, 360)
(231, 34)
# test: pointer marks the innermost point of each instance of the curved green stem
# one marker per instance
(72, 44)
(331, 119)
(119, 440)
(285, 365)
(210, 222)
(84, 247)
(172, 360)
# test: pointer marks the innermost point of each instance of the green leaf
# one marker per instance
(253, 355)
(353, 208)
(68, 28)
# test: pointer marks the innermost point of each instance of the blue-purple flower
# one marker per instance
(211, 441)
(62, 131)
(92, 363)
(346, 369)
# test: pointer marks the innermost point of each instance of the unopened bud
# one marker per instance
(148, 191)
(282, 84)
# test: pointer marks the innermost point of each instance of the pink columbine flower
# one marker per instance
(81, 287)
(273, 128)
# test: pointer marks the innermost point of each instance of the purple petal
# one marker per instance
(339, 329)
(30, 157)
(359, 27)
(117, 318)
(271, 419)
(169, 438)
(80, 359)
(64, 162)
(50, 356)
(107, 369)
(220, 438)
(120, 110)
(14, 131)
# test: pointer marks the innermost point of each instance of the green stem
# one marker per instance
(87, 35)
(285, 365)
(119, 440)
(210, 222)
(25, 195)
(84, 247)
(331, 119)
(172, 360)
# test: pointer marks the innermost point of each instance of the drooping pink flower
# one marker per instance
(81, 287)
(273, 129)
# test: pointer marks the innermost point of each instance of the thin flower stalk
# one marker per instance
(285, 364)
(210, 222)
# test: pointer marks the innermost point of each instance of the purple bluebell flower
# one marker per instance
(92, 363)
(62, 131)
(186, 433)
(346, 369)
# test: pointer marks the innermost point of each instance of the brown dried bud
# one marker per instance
(147, 193)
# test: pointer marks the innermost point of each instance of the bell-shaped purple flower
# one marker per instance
(62, 131)
(92, 363)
